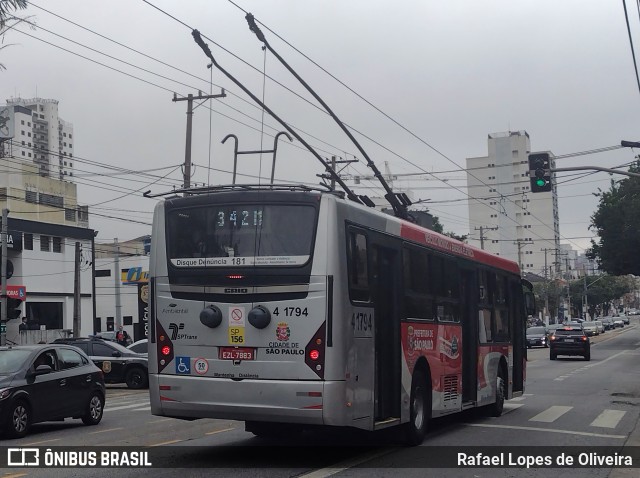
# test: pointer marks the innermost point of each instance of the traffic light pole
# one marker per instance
(3, 284)
(596, 168)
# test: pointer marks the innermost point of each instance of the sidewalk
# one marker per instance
(632, 441)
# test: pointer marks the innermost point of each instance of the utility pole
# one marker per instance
(117, 285)
(3, 273)
(187, 152)
(585, 307)
(334, 161)
(482, 237)
(521, 243)
(546, 284)
(76, 293)
(546, 267)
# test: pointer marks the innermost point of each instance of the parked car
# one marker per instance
(590, 328)
(608, 323)
(48, 382)
(625, 320)
(110, 336)
(537, 336)
(618, 323)
(119, 364)
(140, 347)
(569, 340)
(600, 326)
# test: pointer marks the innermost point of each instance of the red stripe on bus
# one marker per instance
(313, 407)
(446, 244)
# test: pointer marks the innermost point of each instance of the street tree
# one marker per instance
(617, 224)
(438, 227)
(602, 292)
(8, 20)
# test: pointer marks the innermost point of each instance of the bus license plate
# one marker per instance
(233, 353)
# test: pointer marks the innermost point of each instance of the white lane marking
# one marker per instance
(141, 409)
(560, 379)
(509, 407)
(112, 409)
(608, 419)
(605, 360)
(551, 414)
(546, 430)
(517, 399)
(345, 465)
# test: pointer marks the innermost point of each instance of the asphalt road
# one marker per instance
(568, 402)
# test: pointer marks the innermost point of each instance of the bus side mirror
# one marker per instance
(530, 303)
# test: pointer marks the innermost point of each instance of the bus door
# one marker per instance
(469, 296)
(385, 275)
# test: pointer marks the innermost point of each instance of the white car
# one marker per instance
(139, 347)
(600, 326)
(590, 328)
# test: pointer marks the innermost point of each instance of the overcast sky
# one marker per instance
(451, 72)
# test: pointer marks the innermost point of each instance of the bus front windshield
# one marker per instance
(241, 235)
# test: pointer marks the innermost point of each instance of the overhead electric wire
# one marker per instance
(392, 119)
(633, 53)
(354, 130)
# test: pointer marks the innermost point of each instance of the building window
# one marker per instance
(103, 273)
(64, 134)
(28, 241)
(70, 145)
(57, 244)
(70, 136)
(44, 243)
(29, 134)
(23, 153)
(22, 133)
(69, 214)
(22, 122)
(31, 196)
(514, 153)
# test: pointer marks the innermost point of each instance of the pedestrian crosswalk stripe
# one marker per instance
(551, 414)
(112, 409)
(608, 419)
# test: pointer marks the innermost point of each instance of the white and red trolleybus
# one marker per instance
(286, 306)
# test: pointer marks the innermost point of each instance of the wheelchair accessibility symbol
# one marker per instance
(183, 365)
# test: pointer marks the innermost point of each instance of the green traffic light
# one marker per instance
(540, 182)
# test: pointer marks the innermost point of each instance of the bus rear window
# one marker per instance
(242, 235)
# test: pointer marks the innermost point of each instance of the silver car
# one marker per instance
(590, 328)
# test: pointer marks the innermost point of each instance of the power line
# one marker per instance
(633, 53)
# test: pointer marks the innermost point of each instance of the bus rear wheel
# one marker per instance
(420, 410)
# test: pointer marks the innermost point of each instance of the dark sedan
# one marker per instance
(48, 382)
(537, 336)
(119, 364)
(570, 340)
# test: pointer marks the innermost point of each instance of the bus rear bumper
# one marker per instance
(285, 401)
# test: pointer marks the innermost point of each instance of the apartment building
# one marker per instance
(505, 218)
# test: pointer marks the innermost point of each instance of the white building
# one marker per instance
(122, 290)
(45, 221)
(41, 136)
(505, 218)
(42, 256)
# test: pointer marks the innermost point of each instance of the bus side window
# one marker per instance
(358, 269)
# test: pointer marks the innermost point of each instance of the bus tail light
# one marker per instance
(164, 347)
(314, 352)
